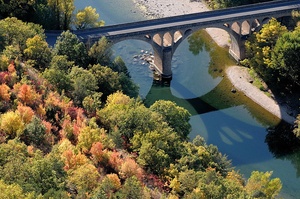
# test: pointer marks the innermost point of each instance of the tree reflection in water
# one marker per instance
(283, 144)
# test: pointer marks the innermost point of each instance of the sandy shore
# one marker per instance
(167, 8)
(240, 79)
(238, 75)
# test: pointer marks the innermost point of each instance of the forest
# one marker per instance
(72, 124)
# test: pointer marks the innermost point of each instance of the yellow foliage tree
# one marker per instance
(11, 124)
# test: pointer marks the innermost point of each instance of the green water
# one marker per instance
(229, 120)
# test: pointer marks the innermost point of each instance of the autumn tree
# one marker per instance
(11, 124)
(38, 51)
(4, 96)
(26, 113)
(27, 95)
(4, 93)
(87, 18)
(260, 45)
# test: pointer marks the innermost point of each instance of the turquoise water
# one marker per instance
(229, 121)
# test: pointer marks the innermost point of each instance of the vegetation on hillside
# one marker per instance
(69, 131)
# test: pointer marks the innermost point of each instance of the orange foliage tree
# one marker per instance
(4, 93)
(27, 95)
(25, 112)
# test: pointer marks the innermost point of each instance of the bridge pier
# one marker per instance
(162, 62)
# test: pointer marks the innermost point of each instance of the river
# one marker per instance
(228, 120)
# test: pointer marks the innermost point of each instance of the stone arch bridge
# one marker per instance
(166, 34)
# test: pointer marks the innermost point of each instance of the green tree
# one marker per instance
(107, 80)
(45, 174)
(13, 191)
(109, 185)
(100, 52)
(60, 62)
(15, 32)
(128, 86)
(57, 73)
(177, 117)
(84, 179)
(84, 84)
(45, 15)
(296, 129)
(157, 149)
(87, 18)
(38, 51)
(132, 188)
(128, 116)
(30, 169)
(92, 103)
(198, 156)
(63, 10)
(34, 133)
(22, 9)
(87, 136)
(286, 57)
(260, 184)
(68, 44)
(120, 66)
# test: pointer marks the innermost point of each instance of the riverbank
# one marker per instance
(241, 80)
(167, 8)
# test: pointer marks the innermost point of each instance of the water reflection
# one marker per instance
(284, 145)
(197, 43)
